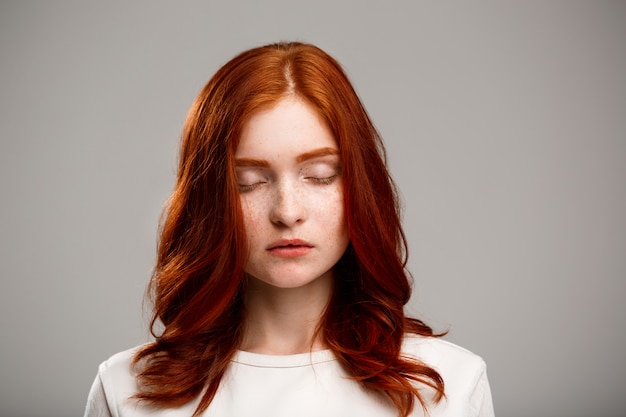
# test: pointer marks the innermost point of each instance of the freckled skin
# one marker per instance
(290, 198)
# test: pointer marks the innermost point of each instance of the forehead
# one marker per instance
(291, 126)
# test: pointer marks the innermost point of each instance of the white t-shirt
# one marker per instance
(309, 384)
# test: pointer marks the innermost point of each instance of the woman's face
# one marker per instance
(291, 195)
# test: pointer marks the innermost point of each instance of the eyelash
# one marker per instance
(247, 188)
(323, 181)
(317, 181)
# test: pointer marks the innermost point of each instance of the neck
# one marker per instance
(284, 321)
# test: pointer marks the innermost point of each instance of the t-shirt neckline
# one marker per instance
(283, 361)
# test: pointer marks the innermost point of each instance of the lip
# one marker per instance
(289, 248)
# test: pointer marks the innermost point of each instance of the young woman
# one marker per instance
(280, 283)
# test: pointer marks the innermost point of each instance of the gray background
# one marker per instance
(505, 124)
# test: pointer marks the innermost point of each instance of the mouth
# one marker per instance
(289, 248)
(285, 243)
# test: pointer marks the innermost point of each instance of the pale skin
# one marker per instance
(292, 200)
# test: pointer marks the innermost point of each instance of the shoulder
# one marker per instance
(119, 386)
(440, 353)
(464, 374)
(118, 378)
(119, 364)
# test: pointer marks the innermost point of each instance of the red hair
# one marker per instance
(198, 282)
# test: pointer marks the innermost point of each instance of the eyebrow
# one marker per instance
(261, 163)
(317, 153)
(249, 162)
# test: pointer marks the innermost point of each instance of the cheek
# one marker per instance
(330, 209)
(251, 211)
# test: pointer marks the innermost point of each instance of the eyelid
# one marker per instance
(243, 188)
(323, 164)
(325, 180)
(250, 178)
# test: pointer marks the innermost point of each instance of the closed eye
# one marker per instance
(244, 188)
(324, 180)
(251, 177)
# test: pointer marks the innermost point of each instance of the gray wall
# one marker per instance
(506, 129)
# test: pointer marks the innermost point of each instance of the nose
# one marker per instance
(288, 208)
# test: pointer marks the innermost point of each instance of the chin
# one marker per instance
(293, 282)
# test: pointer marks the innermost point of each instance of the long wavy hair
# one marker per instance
(198, 282)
